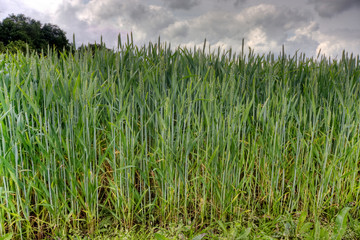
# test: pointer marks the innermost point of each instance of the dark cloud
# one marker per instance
(264, 27)
(114, 16)
(330, 8)
(106, 10)
(224, 23)
(149, 19)
(303, 39)
(236, 3)
(68, 18)
(277, 22)
(138, 12)
(239, 2)
(181, 4)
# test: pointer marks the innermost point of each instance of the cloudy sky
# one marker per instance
(304, 25)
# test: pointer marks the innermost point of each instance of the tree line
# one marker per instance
(18, 31)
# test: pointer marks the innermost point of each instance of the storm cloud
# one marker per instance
(330, 8)
(263, 27)
(307, 25)
(181, 4)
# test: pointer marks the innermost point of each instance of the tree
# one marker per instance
(2, 47)
(93, 47)
(54, 36)
(15, 46)
(32, 32)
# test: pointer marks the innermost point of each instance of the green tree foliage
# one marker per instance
(54, 36)
(32, 32)
(93, 47)
(2, 47)
(17, 45)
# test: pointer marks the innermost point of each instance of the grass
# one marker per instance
(150, 142)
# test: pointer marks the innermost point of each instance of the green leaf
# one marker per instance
(305, 228)
(159, 236)
(30, 101)
(199, 237)
(341, 223)
(301, 221)
(324, 234)
(7, 236)
(244, 233)
(317, 230)
(4, 115)
(222, 226)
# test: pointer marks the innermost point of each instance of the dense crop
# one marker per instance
(155, 136)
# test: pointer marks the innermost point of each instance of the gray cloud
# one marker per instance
(105, 10)
(224, 23)
(109, 17)
(68, 18)
(304, 39)
(149, 18)
(238, 2)
(334, 42)
(330, 8)
(264, 27)
(181, 4)
(177, 30)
